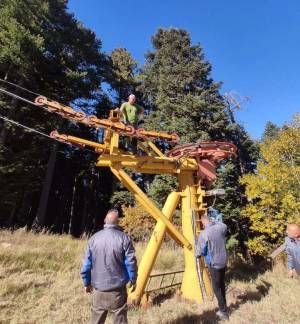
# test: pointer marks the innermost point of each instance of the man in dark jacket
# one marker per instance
(109, 264)
(211, 245)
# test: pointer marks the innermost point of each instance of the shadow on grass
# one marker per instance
(209, 316)
(157, 299)
(239, 270)
(250, 296)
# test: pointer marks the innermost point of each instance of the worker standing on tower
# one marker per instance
(131, 111)
(131, 114)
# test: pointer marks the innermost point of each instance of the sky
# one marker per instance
(252, 45)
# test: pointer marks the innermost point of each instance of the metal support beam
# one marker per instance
(151, 252)
(150, 206)
(191, 288)
(148, 164)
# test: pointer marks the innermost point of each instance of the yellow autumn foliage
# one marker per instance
(137, 223)
(274, 191)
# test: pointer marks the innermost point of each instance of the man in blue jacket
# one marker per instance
(211, 245)
(109, 264)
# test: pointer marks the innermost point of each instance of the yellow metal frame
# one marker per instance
(189, 196)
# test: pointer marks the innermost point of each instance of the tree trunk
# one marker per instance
(72, 205)
(14, 211)
(40, 218)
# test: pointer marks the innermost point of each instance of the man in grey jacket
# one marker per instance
(109, 264)
(292, 248)
(211, 245)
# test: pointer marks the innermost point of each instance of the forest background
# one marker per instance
(49, 185)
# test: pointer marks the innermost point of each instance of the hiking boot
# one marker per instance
(222, 315)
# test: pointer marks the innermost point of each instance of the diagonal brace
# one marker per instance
(150, 206)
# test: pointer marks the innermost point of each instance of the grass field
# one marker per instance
(40, 283)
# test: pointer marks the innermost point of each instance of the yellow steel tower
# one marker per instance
(193, 165)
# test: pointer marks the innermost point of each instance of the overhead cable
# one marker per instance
(19, 87)
(42, 134)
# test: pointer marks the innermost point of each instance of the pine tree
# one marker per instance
(123, 82)
(181, 94)
(43, 48)
(123, 79)
(270, 132)
(182, 97)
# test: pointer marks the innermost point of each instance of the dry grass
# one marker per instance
(40, 283)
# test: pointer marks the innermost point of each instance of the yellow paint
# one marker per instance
(148, 164)
(190, 288)
(149, 205)
(80, 141)
(190, 195)
(155, 149)
(114, 144)
(152, 249)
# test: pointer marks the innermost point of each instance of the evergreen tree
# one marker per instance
(123, 82)
(182, 97)
(270, 132)
(181, 94)
(44, 48)
(123, 79)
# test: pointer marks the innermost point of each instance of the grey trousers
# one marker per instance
(109, 301)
